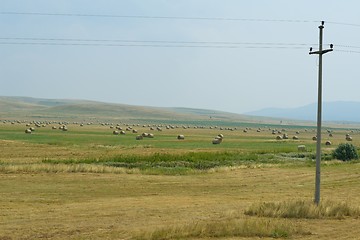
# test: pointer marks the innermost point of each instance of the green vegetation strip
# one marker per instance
(191, 160)
(170, 164)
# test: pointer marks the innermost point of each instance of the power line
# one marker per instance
(347, 46)
(159, 43)
(347, 51)
(286, 47)
(152, 41)
(156, 17)
(36, 41)
(345, 24)
(339, 49)
(173, 17)
(150, 45)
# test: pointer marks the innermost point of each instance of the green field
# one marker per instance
(86, 183)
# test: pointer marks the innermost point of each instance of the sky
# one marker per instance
(230, 55)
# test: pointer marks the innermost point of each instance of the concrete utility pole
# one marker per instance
(318, 134)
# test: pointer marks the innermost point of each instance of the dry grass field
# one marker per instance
(43, 198)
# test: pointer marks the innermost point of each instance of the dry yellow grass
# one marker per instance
(119, 206)
(42, 201)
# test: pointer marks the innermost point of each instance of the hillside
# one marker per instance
(338, 113)
(34, 108)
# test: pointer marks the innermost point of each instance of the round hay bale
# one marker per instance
(301, 148)
(216, 141)
(328, 143)
(180, 137)
(28, 131)
(349, 138)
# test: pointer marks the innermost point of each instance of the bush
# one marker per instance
(345, 152)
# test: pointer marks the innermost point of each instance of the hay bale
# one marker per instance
(348, 138)
(301, 148)
(216, 141)
(180, 137)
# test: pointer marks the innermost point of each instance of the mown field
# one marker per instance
(86, 183)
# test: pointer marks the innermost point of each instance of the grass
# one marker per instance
(89, 184)
(190, 160)
(225, 228)
(98, 205)
(303, 209)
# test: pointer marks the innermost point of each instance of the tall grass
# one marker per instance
(303, 209)
(62, 168)
(165, 163)
(190, 160)
(230, 227)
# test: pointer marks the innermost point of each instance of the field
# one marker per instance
(86, 183)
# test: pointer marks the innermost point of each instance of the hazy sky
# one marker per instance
(212, 54)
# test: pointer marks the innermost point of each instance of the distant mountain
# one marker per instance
(341, 111)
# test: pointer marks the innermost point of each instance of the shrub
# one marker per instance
(345, 152)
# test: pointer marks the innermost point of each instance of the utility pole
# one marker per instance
(318, 134)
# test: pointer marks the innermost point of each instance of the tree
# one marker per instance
(345, 152)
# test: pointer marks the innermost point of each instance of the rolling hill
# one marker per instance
(35, 108)
(79, 110)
